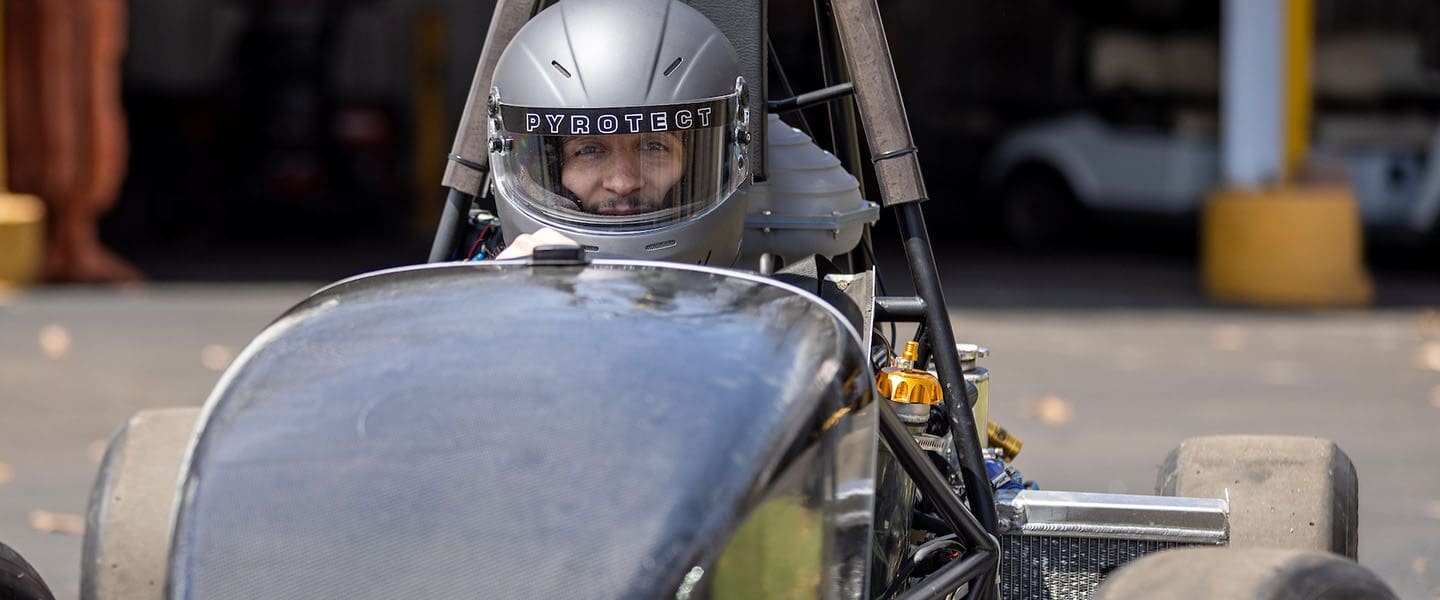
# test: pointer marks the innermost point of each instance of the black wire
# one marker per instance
(889, 349)
(931, 523)
(907, 570)
(869, 243)
(900, 578)
(922, 339)
(779, 71)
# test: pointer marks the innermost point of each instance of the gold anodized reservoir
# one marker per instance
(911, 391)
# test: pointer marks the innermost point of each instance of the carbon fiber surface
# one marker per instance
(1034, 567)
(504, 432)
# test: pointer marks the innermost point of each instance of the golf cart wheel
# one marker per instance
(1242, 574)
(1297, 493)
(128, 523)
(1037, 209)
(18, 580)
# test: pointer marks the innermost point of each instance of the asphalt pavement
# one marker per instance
(1101, 363)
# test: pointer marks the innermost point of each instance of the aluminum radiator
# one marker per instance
(1060, 545)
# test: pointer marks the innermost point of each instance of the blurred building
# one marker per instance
(290, 122)
(263, 122)
(1152, 68)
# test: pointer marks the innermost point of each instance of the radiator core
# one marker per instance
(1061, 545)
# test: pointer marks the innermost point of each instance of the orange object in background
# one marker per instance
(1294, 246)
(66, 140)
(22, 240)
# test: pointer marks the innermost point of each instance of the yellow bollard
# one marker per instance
(1284, 246)
(22, 238)
(22, 217)
(1297, 243)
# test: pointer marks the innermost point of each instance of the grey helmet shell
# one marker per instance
(623, 53)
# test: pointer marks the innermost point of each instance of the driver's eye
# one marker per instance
(655, 146)
(586, 149)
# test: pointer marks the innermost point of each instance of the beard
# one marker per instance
(633, 204)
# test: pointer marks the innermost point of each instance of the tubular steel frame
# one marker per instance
(854, 23)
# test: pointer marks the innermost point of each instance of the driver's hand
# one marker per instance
(527, 242)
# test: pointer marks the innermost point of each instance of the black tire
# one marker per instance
(1037, 209)
(1285, 492)
(19, 580)
(1242, 574)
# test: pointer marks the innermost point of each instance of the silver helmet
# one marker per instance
(622, 124)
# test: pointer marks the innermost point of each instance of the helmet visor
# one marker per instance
(616, 169)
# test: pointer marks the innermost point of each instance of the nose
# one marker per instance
(623, 176)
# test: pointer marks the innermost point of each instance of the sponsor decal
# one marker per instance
(610, 121)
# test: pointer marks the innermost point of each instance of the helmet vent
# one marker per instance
(660, 245)
(671, 69)
(561, 69)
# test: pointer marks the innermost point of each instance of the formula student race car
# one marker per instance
(570, 425)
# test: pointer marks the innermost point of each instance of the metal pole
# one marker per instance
(457, 205)
(862, 37)
(809, 99)
(1299, 97)
(947, 361)
(877, 94)
(970, 569)
(1250, 100)
(903, 309)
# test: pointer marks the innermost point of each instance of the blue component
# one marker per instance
(994, 468)
(1002, 476)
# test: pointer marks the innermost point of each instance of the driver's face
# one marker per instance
(622, 174)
